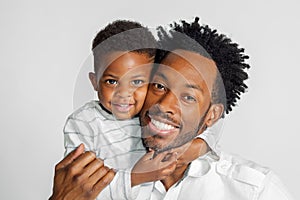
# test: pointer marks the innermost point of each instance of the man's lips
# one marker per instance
(162, 127)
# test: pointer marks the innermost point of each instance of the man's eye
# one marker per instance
(111, 82)
(137, 82)
(189, 99)
(159, 86)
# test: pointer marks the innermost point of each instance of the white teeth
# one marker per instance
(162, 126)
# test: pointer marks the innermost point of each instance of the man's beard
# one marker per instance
(181, 139)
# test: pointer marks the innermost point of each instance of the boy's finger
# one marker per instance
(169, 169)
(169, 164)
(161, 156)
(171, 157)
(180, 150)
(70, 157)
(149, 155)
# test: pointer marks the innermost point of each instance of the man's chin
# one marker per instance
(152, 143)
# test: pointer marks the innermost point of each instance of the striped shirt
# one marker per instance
(117, 142)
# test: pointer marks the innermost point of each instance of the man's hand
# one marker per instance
(80, 176)
(149, 169)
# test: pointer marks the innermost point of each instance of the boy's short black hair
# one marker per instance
(123, 35)
(228, 57)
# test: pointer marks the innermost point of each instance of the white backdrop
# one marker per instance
(42, 48)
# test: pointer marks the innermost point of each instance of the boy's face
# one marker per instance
(123, 85)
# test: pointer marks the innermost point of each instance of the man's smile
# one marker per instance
(161, 126)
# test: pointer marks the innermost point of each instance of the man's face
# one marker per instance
(178, 100)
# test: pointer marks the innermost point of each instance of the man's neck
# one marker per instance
(175, 177)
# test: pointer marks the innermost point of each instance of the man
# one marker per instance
(187, 96)
(200, 78)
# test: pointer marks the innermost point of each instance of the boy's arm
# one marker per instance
(191, 151)
(150, 168)
(164, 164)
(77, 132)
(145, 170)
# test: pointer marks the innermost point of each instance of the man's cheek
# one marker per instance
(191, 117)
(141, 94)
(151, 100)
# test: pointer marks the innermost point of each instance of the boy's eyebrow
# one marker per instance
(113, 76)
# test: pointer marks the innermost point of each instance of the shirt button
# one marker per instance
(223, 166)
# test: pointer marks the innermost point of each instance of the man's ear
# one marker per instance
(93, 80)
(214, 114)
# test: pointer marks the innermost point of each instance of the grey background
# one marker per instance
(43, 45)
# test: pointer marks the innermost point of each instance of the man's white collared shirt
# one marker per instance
(224, 177)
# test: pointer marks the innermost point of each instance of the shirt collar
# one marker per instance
(201, 165)
(103, 112)
(130, 127)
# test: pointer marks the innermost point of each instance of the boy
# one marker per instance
(109, 126)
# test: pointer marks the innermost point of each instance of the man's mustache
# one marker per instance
(156, 110)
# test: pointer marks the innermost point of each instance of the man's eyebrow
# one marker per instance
(193, 86)
(161, 75)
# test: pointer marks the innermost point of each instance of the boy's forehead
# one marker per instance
(108, 58)
(104, 61)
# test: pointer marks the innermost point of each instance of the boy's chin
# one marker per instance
(123, 116)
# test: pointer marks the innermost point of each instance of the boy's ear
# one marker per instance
(214, 114)
(93, 80)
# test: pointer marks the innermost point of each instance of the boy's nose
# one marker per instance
(123, 91)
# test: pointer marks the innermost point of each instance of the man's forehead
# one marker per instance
(199, 67)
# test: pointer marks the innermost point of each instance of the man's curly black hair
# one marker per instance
(123, 35)
(228, 57)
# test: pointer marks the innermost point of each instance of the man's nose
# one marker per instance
(169, 103)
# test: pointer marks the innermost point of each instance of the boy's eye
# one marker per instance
(137, 82)
(111, 82)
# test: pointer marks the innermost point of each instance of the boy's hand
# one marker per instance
(149, 169)
(191, 151)
(80, 175)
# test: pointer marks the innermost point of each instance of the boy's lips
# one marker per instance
(122, 107)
